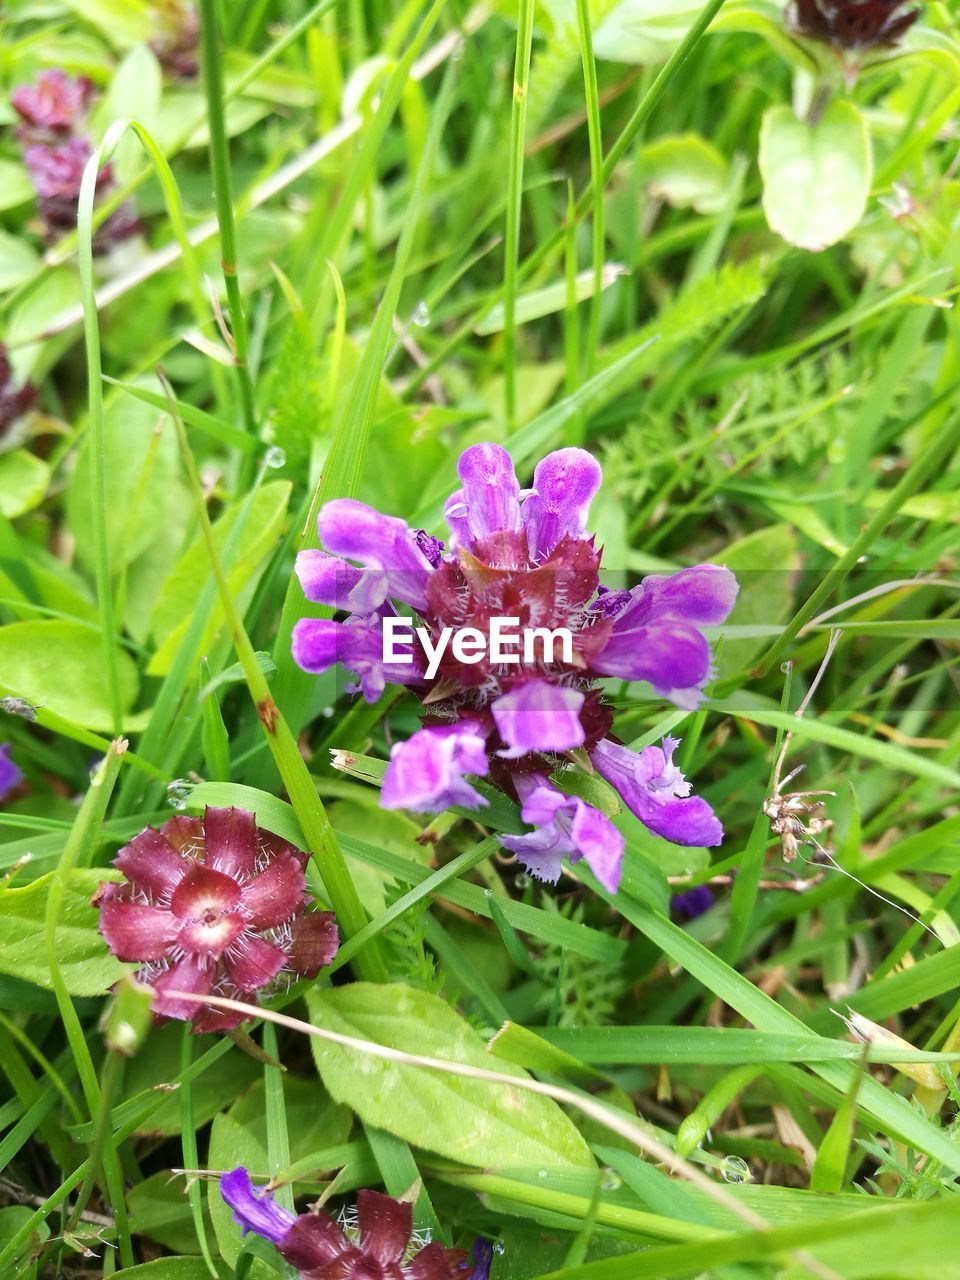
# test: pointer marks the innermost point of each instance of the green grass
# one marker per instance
(372, 234)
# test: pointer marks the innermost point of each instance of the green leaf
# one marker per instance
(766, 564)
(160, 1210)
(15, 186)
(23, 482)
(233, 1144)
(167, 1269)
(12, 1218)
(174, 607)
(816, 177)
(645, 31)
(18, 259)
(467, 1120)
(88, 968)
(687, 172)
(140, 458)
(59, 666)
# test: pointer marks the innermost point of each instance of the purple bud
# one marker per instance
(564, 485)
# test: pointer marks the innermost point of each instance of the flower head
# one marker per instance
(51, 106)
(377, 1243)
(213, 906)
(854, 24)
(525, 556)
(10, 775)
(177, 36)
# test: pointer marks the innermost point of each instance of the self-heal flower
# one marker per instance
(524, 555)
(52, 105)
(376, 1243)
(854, 24)
(10, 775)
(213, 906)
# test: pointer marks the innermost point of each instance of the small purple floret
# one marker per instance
(565, 826)
(255, 1211)
(692, 902)
(10, 775)
(427, 772)
(655, 790)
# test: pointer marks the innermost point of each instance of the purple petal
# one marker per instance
(232, 841)
(10, 775)
(672, 656)
(566, 825)
(385, 1226)
(352, 529)
(134, 932)
(252, 1210)
(334, 582)
(703, 595)
(655, 790)
(455, 514)
(276, 894)
(598, 840)
(208, 905)
(191, 975)
(426, 773)
(434, 1262)
(313, 1241)
(692, 902)
(491, 492)
(564, 485)
(539, 716)
(318, 644)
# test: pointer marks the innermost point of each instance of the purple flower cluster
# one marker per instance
(213, 906)
(523, 554)
(854, 24)
(53, 113)
(376, 1243)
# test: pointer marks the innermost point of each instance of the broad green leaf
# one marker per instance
(18, 259)
(179, 592)
(13, 1218)
(15, 186)
(23, 482)
(816, 177)
(767, 564)
(687, 172)
(470, 1121)
(167, 1269)
(140, 456)
(122, 22)
(88, 968)
(59, 665)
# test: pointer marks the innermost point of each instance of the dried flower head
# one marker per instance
(213, 906)
(376, 1243)
(854, 24)
(522, 555)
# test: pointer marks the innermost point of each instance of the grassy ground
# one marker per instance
(370, 235)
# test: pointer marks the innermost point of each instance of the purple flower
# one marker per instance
(654, 789)
(692, 902)
(213, 906)
(565, 826)
(52, 105)
(515, 714)
(14, 400)
(10, 775)
(178, 34)
(427, 771)
(854, 24)
(482, 1259)
(377, 1242)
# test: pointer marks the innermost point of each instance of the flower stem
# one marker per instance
(223, 196)
(521, 77)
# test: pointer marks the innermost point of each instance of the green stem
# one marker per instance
(292, 767)
(518, 119)
(188, 1136)
(596, 178)
(223, 196)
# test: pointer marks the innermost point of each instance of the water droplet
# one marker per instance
(610, 1179)
(488, 893)
(521, 880)
(421, 315)
(862, 559)
(275, 457)
(735, 1169)
(541, 1173)
(179, 792)
(94, 765)
(499, 1246)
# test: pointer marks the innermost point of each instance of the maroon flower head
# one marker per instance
(52, 105)
(213, 906)
(377, 1242)
(854, 24)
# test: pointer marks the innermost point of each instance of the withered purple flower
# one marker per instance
(213, 906)
(523, 555)
(10, 775)
(377, 1243)
(854, 24)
